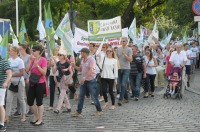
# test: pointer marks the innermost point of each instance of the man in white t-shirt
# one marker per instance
(188, 63)
(178, 58)
(195, 53)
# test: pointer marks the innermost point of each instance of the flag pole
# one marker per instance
(17, 19)
(40, 9)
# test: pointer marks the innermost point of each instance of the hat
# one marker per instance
(85, 50)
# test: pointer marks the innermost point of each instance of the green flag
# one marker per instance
(48, 21)
(22, 32)
(4, 47)
(49, 29)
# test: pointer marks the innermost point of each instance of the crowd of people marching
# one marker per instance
(121, 70)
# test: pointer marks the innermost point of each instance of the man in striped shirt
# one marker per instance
(6, 75)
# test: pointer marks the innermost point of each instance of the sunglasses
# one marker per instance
(109, 51)
(60, 55)
(103, 47)
(33, 50)
(97, 46)
(123, 41)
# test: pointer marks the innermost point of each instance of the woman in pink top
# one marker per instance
(37, 68)
(168, 65)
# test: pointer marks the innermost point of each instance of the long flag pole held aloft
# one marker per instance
(17, 18)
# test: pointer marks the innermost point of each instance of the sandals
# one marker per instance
(23, 120)
(112, 107)
(105, 105)
(41, 123)
(33, 122)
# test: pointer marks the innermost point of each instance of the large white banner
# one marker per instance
(81, 39)
(99, 29)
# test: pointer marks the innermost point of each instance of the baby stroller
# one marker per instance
(177, 92)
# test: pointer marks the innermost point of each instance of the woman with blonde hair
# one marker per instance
(65, 74)
(17, 66)
(109, 75)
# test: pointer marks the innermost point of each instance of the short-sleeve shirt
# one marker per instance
(26, 60)
(124, 64)
(60, 67)
(4, 66)
(188, 54)
(16, 65)
(137, 64)
(194, 51)
(86, 65)
(178, 59)
(43, 64)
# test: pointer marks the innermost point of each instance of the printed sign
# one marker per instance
(110, 28)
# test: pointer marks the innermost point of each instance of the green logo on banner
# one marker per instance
(94, 27)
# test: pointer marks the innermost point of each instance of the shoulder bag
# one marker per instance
(14, 88)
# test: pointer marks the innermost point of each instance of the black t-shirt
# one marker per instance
(62, 66)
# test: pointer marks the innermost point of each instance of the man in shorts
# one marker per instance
(6, 75)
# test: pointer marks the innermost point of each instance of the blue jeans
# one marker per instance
(92, 87)
(123, 75)
(135, 82)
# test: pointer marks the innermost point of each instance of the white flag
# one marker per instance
(155, 31)
(14, 38)
(132, 31)
(41, 29)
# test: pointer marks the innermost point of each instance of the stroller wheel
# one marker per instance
(164, 95)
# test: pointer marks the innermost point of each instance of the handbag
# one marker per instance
(34, 78)
(14, 88)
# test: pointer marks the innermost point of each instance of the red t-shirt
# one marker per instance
(169, 66)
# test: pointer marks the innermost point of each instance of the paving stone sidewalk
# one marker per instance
(154, 114)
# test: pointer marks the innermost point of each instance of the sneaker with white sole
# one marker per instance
(2, 128)
(76, 114)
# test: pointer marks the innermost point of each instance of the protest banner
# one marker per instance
(110, 28)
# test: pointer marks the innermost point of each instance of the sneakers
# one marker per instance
(67, 111)
(98, 113)
(2, 128)
(132, 97)
(125, 101)
(76, 114)
(118, 96)
(188, 84)
(172, 93)
(29, 113)
(136, 99)
(120, 103)
(16, 114)
(56, 111)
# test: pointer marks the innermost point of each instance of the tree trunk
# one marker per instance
(128, 10)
